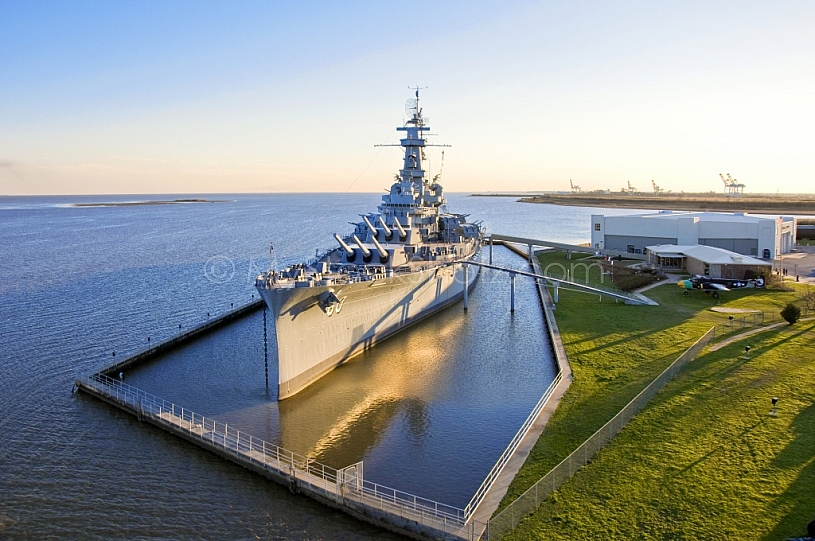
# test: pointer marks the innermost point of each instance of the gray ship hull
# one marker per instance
(311, 342)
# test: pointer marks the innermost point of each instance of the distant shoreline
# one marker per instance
(799, 204)
(140, 203)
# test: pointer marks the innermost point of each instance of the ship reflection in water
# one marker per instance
(338, 420)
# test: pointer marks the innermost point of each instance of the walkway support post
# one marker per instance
(265, 347)
(554, 296)
(490, 250)
(467, 283)
(512, 292)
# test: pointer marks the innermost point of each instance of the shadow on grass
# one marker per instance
(716, 449)
(604, 345)
(762, 337)
(799, 498)
(792, 335)
(676, 345)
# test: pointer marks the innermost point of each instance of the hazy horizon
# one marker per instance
(507, 193)
(254, 97)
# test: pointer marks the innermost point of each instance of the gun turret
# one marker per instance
(366, 253)
(402, 233)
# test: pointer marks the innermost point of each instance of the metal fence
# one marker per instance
(511, 516)
(742, 322)
(739, 323)
(345, 486)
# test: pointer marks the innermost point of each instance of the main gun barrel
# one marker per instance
(402, 234)
(365, 251)
(385, 228)
(370, 226)
(383, 254)
(348, 249)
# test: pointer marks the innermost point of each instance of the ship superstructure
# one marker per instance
(400, 264)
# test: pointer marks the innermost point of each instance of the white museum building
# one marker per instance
(753, 235)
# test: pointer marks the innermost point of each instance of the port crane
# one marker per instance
(657, 189)
(731, 186)
(631, 189)
(575, 188)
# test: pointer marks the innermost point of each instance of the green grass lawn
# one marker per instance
(704, 459)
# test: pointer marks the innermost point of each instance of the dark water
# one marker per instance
(428, 411)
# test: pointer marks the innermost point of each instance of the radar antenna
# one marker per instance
(412, 105)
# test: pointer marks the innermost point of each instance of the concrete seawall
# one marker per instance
(178, 340)
(344, 489)
(501, 484)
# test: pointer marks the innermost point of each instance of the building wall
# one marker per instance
(735, 272)
(598, 231)
(694, 266)
(765, 238)
(729, 229)
(622, 243)
(687, 229)
(739, 272)
(740, 246)
(768, 245)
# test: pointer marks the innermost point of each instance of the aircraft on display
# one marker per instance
(707, 287)
(717, 285)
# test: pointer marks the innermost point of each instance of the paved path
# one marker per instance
(751, 332)
(800, 263)
(670, 279)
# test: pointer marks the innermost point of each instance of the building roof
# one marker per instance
(706, 254)
(706, 216)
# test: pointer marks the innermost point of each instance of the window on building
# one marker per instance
(597, 227)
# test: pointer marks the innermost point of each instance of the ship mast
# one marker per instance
(412, 170)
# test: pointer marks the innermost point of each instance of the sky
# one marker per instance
(149, 97)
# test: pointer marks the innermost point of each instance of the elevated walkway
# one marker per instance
(628, 298)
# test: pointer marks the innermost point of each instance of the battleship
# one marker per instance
(399, 265)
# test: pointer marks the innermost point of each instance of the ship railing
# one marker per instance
(299, 469)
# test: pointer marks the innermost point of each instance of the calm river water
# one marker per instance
(428, 411)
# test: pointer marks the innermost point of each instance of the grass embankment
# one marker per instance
(705, 459)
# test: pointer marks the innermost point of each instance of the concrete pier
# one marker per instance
(343, 489)
(174, 342)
